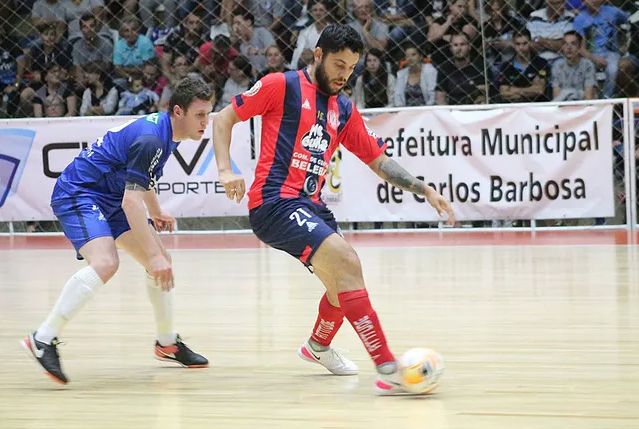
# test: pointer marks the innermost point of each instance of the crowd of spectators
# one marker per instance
(122, 57)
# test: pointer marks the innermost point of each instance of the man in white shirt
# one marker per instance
(547, 27)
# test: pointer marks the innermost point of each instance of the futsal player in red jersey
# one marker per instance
(304, 119)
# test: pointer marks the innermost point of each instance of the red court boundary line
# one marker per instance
(361, 239)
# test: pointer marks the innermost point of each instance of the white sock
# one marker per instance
(77, 291)
(163, 309)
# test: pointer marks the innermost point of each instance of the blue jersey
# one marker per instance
(135, 152)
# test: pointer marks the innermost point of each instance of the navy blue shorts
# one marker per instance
(295, 225)
(85, 217)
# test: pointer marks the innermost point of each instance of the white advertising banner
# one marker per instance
(533, 162)
(34, 152)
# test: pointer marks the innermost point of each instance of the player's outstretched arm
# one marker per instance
(223, 122)
(135, 211)
(393, 173)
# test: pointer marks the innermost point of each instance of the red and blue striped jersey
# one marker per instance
(301, 128)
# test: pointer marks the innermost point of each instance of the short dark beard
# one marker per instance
(322, 80)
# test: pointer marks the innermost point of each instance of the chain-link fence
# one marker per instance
(116, 57)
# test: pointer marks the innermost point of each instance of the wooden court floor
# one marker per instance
(536, 333)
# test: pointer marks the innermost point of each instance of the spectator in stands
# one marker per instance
(274, 62)
(10, 73)
(153, 78)
(374, 33)
(137, 100)
(267, 13)
(375, 87)
(307, 38)
(416, 82)
(457, 20)
(240, 76)
(75, 9)
(599, 25)
(627, 82)
(306, 59)
(45, 52)
(210, 11)
(179, 70)
(296, 16)
(573, 76)
(91, 47)
(186, 40)
(252, 40)
(214, 59)
(50, 12)
(409, 20)
(132, 49)
(524, 78)
(499, 28)
(147, 7)
(54, 98)
(523, 8)
(100, 96)
(159, 30)
(547, 27)
(460, 80)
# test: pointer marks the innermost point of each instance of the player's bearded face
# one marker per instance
(333, 71)
(323, 82)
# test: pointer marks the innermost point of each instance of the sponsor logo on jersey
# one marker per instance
(310, 186)
(153, 117)
(316, 140)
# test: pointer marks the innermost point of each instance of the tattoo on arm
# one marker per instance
(134, 187)
(395, 174)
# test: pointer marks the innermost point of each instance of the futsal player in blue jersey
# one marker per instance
(101, 200)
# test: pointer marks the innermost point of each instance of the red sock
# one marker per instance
(359, 311)
(328, 322)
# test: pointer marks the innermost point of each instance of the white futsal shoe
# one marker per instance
(330, 359)
(388, 381)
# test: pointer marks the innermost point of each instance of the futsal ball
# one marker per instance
(420, 370)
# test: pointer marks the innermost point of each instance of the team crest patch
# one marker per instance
(332, 119)
(254, 89)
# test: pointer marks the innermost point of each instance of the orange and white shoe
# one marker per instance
(330, 359)
(180, 354)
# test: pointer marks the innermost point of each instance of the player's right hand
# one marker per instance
(234, 185)
(160, 269)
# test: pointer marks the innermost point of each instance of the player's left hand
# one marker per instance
(163, 222)
(441, 205)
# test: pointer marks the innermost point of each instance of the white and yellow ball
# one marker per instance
(420, 370)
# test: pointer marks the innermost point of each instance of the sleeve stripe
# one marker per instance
(239, 100)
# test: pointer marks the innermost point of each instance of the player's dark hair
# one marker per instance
(337, 37)
(187, 90)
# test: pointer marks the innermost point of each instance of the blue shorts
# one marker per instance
(85, 217)
(295, 225)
